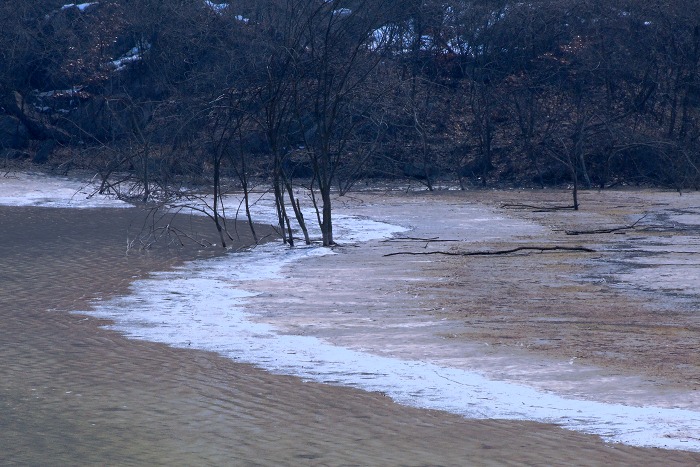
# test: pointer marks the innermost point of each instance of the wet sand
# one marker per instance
(74, 393)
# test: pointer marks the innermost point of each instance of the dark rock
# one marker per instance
(13, 154)
(476, 168)
(553, 175)
(256, 143)
(13, 133)
(45, 150)
(419, 171)
(297, 168)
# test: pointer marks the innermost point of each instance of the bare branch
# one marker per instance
(496, 252)
(601, 231)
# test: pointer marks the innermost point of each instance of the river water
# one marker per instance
(66, 384)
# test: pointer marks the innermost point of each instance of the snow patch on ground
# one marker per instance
(79, 6)
(216, 7)
(29, 189)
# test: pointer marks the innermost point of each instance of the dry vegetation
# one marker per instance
(592, 93)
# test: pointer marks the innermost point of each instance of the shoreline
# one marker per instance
(632, 419)
(185, 390)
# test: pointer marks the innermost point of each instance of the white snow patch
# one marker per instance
(59, 92)
(79, 6)
(28, 189)
(216, 7)
(133, 55)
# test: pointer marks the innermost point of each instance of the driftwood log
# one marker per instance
(495, 252)
(419, 239)
(603, 231)
(538, 208)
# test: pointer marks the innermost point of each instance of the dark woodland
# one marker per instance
(274, 94)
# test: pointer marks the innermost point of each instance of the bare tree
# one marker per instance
(330, 89)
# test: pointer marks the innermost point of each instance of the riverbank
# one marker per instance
(77, 393)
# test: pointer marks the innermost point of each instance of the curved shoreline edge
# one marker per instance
(210, 314)
(203, 306)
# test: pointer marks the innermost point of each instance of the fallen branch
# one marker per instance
(495, 252)
(418, 239)
(602, 231)
(537, 208)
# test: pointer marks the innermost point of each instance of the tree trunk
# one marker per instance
(297, 211)
(575, 190)
(282, 218)
(246, 199)
(217, 194)
(327, 222)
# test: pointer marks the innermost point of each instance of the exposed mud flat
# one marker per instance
(75, 392)
(564, 322)
(632, 306)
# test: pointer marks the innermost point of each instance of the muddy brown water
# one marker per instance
(75, 393)
(69, 388)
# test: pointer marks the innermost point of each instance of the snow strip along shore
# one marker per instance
(203, 306)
